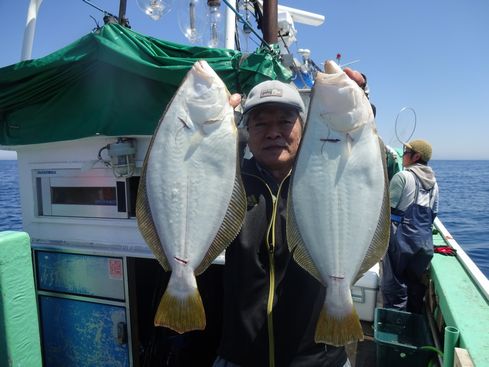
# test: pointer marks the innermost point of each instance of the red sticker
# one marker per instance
(115, 269)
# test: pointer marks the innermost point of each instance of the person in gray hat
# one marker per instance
(414, 206)
(271, 304)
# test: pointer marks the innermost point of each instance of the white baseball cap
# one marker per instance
(274, 91)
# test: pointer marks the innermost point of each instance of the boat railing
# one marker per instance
(472, 269)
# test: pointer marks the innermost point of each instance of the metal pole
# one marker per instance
(230, 27)
(229, 7)
(270, 16)
(30, 29)
(122, 12)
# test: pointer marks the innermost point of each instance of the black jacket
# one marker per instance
(297, 296)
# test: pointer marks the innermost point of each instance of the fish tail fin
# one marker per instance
(181, 308)
(181, 314)
(338, 331)
(338, 322)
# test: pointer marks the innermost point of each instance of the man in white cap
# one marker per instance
(271, 304)
(414, 206)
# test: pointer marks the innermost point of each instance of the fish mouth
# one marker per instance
(203, 77)
(202, 67)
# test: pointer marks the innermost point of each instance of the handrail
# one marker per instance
(472, 269)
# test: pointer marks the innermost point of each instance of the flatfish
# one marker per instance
(191, 201)
(338, 206)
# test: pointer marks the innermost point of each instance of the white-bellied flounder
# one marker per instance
(338, 213)
(191, 201)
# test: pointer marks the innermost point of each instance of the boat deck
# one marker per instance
(363, 354)
(455, 298)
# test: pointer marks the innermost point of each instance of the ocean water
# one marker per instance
(464, 206)
(10, 214)
(464, 203)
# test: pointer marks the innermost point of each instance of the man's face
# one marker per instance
(274, 135)
(409, 157)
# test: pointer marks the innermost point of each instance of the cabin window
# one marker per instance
(83, 195)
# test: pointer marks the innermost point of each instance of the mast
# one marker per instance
(270, 16)
(122, 13)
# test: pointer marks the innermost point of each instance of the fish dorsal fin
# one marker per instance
(231, 225)
(380, 239)
(296, 243)
(144, 218)
(146, 224)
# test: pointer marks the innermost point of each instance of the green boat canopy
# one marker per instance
(113, 82)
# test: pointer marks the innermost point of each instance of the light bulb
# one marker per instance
(191, 19)
(155, 9)
(122, 155)
(214, 32)
(245, 27)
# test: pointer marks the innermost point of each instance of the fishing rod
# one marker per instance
(109, 17)
(88, 2)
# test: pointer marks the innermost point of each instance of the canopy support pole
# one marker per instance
(270, 18)
(30, 29)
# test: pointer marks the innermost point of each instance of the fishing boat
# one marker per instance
(80, 286)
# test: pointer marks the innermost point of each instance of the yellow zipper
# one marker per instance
(271, 290)
(271, 258)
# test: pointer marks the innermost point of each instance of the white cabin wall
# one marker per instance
(113, 234)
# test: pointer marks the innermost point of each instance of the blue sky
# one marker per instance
(429, 55)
